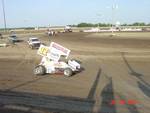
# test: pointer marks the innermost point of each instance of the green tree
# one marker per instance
(138, 24)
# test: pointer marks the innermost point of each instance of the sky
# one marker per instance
(26, 13)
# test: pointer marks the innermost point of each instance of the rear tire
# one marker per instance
(68, 72)
(39, 70)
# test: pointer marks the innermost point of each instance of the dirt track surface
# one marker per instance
(115, 68)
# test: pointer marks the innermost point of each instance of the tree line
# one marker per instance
(108, 25)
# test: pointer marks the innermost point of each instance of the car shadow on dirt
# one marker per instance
(94, 86)
(144, 88)
(108, 97)
(59, 104)
(142, 84)
(32, 101)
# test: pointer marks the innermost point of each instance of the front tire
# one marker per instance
(39, 70)
(68, 72)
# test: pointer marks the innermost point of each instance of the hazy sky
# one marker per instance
(23, 13)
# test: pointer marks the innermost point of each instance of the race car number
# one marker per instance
(43, 50)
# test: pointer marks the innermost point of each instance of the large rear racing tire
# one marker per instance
(39, 70)
(68, 72)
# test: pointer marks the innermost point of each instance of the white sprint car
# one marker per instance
(52, 67)
(53, 61)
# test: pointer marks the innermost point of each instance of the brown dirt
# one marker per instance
(114, 68)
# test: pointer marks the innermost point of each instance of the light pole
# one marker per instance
(114, 7)
(3, 6)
